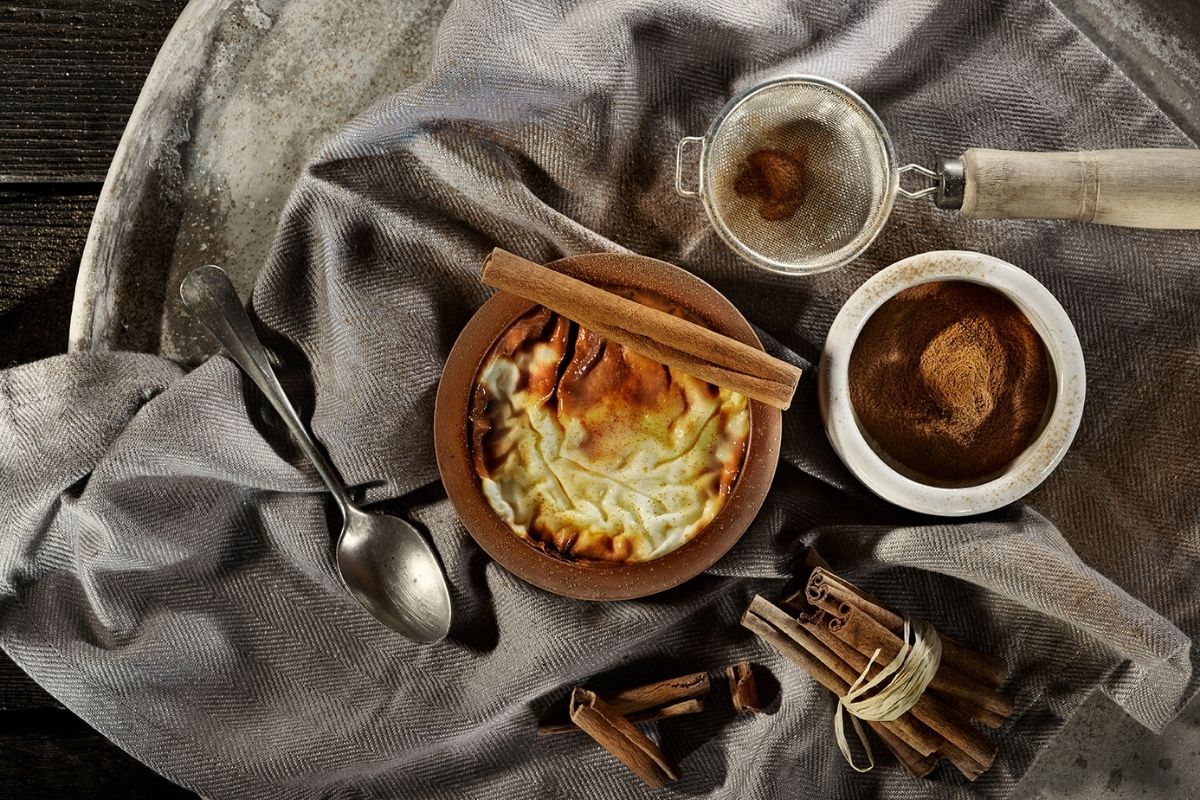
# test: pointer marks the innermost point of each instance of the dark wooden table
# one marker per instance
(70, 71)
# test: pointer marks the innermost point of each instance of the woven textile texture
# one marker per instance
(165, 554)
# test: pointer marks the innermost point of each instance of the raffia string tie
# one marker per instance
(892, 692)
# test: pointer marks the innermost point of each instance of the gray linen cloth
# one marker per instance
(165, 564)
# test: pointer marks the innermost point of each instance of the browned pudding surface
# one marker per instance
(950, 379)
(592, 451)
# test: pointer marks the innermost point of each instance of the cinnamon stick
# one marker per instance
(618, 736)
(773, 625)
(656, 334)
(969, 707)
(858, 661)
(865, 634)
(793, 596)
(984, 667)
(682, 708)
(652, 701)
(930, 708)
(826, 587)
(658, 693)
(743, 689)
(969, 767)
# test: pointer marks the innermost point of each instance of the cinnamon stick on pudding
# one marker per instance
(618, 736)
(677, 342)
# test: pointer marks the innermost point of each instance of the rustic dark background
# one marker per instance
(70, 72)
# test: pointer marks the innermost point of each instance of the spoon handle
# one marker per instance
(210, 297)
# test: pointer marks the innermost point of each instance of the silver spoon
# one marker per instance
(384, 562)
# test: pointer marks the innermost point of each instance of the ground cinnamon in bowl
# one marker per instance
(950, 380)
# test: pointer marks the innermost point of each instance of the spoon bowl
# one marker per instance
(383, 561)
(390, 568)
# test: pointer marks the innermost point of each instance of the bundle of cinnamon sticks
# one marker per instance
(831, 629)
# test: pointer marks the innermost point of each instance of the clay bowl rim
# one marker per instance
(593, 580)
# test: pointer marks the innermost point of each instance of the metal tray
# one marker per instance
(240, 95)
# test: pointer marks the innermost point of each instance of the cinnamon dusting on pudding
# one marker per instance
(594, 452)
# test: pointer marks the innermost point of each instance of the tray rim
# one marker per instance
(171, 84)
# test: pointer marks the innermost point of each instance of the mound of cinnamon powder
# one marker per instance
(776, 179)
(950, 379)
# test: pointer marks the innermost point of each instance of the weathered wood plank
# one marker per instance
(53, 754)
(70, 72)
(42, 233)
(19, 692)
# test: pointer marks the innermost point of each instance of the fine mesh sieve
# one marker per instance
(849, 177)
(832, 139)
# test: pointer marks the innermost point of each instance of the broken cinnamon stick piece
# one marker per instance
(743, 690)
(659, 693)
(672, 340)
(680, 709)
(618, 736)
(651, 701)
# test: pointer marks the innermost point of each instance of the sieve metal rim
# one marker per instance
(832, 260)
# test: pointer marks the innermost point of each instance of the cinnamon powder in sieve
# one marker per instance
(950, 379)
(776, 179)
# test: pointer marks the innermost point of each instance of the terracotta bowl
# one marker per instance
(591, 580)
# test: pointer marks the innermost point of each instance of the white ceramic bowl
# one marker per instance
(1034, 464)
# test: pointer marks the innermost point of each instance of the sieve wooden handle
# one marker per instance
(1137, 188)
